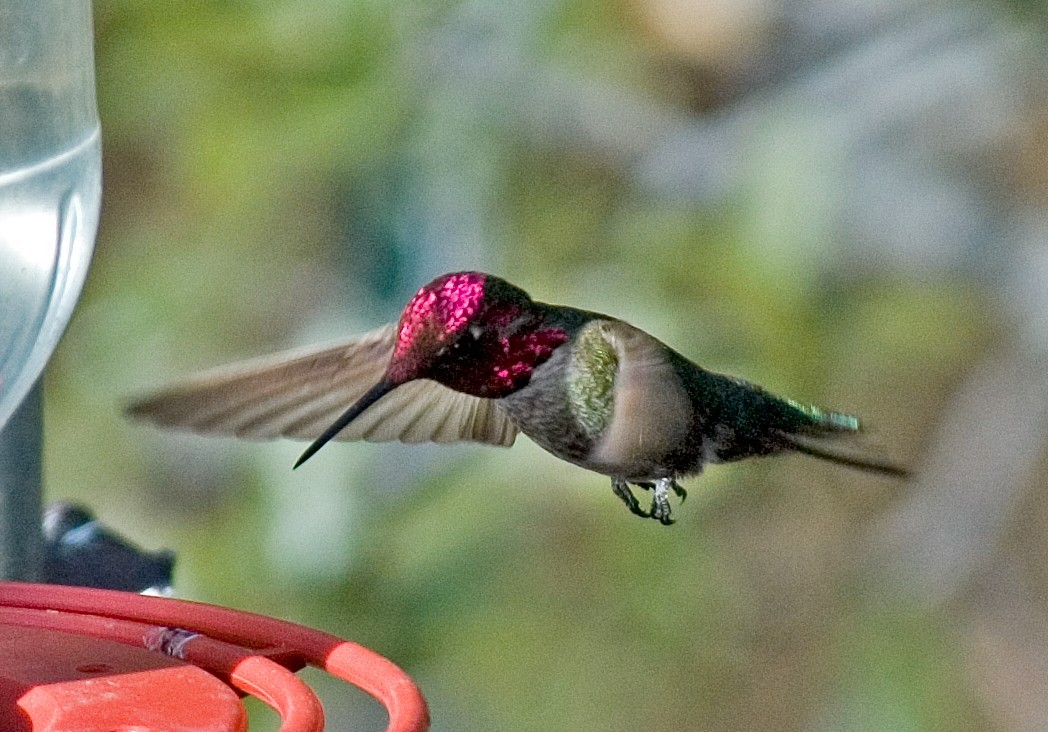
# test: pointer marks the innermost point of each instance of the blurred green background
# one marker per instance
(843, 202)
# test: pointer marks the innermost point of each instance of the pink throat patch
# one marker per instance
(513, 366)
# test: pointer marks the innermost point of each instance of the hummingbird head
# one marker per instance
(469, 331)
(472, 332)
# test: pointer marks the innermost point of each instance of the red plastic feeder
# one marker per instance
(85, 660)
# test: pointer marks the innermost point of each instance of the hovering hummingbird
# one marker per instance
(473, 357)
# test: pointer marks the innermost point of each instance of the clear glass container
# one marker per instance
(50, 181)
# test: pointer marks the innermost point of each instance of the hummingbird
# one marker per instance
(475, 358)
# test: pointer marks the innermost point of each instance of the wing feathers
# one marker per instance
(298, 394)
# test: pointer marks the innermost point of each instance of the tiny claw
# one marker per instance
(681, 493)
(660, 501)
(660, 511)
(622, 490)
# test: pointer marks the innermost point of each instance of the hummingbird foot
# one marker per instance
(622, 490)
(660, 501)
(681, 493)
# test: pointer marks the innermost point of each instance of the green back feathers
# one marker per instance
(591, 380)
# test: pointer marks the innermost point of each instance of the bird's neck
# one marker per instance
(502, 360)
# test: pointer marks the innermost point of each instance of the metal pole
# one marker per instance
(21, 543)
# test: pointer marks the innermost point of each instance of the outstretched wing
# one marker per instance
(298, 394)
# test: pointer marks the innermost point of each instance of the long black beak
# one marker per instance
(371, 396)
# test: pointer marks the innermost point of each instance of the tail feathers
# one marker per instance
(833, 436)
(838, 451)
(824, 422)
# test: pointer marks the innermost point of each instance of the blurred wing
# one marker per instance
(299, 393)
(425, 411)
